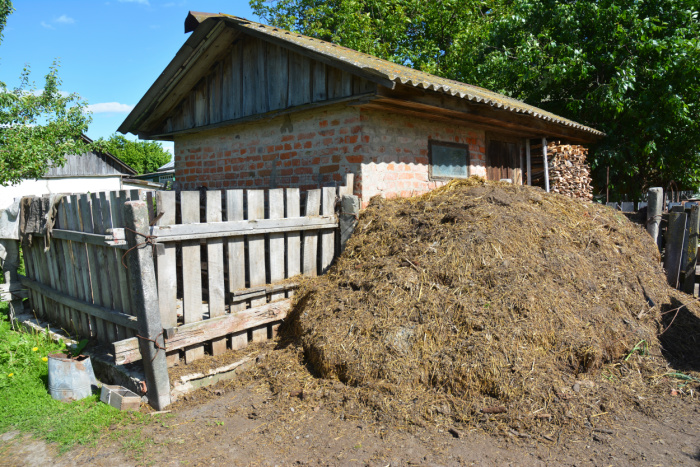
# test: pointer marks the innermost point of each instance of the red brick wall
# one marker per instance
(388, 153)
(396, 162)
(307, 150)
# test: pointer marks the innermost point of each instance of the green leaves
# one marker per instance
(38, 127)
(142, 156)
(626, 67)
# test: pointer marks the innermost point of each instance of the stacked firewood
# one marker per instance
(569, 173)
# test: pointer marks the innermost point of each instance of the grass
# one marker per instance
(26, 406)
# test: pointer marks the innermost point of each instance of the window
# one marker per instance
(448, 160)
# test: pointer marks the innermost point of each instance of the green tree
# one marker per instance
(630, 68)
(37, 127)
(142, 156)
(427, 35)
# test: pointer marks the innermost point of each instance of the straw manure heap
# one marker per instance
(486, 303)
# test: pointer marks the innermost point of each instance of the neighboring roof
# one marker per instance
(126, 168)
(167, 166)
(371, 67)
(89, 164)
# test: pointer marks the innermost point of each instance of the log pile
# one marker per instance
(569, 172)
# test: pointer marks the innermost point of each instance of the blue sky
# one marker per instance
(110, 52)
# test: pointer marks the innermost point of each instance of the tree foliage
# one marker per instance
(142, 156)
(627, 67)
(430, 36)
(37, 127)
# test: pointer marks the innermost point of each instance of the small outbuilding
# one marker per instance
(82, 173)
(249, 105)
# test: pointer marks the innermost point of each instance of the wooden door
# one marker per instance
(501, 160)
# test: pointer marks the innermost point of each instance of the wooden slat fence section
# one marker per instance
(79, 284)
(223, 261)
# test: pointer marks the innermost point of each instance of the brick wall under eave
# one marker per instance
(306, 149)
(396, 158)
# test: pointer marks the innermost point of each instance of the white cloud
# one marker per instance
(64, 19)
(47, 25)
(109, 107)
(142, 2)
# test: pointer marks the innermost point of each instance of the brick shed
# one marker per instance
(249, 105)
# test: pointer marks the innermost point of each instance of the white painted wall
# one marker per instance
(46, 186)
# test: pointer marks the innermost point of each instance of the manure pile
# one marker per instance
(489, 304)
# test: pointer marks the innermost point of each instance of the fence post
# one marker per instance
(674, 245)
(349, 212)
(655, 200)
(691, 251)
(9, 262)
(142, 280)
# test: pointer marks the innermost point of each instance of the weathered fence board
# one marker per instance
(191, 270)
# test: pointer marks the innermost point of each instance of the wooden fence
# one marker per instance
(225, 263)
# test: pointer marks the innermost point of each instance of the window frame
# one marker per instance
(451, 144)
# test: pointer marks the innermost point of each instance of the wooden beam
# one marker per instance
(126, 351)
(485, 113)
(435, 114)
(365, 97)
(91, 238)
(546, 165)
(529, 161)
(171, 233)
(97, 311)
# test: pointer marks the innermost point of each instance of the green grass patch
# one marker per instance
(25, 403)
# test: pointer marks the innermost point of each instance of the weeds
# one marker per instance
(26, 405)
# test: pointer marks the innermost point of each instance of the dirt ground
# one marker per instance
(249, 426)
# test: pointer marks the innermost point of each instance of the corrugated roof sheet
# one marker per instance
(397, 73)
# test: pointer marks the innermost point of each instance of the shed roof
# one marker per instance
(373, 68)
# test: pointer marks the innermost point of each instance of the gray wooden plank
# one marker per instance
(313, 206)
(299, 80)
(120, 289)
(85, 211)
(236, 260)
(318, 83)
(70, 268)
(166, 263)
(103, 295)
(117, 200)
(191, 270)
(236, 96)
(215, 268)
(293, 238)
(81, 264)
(277, 273)
(256, 253)
(674, 246)
(277, 76)
(327, 236)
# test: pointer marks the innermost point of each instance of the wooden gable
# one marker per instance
(253, 77)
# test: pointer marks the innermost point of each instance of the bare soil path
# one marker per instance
(251, 427)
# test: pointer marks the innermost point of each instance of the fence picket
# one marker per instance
(293, 238)
(167, 267)
(215, 268)
(327, 236)
(96, 324)
(276, 249)
(256, 254)
(236, 261)
(105, 299)
(70, 265)
(191, 270)
(80, 263)
(313, 207)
